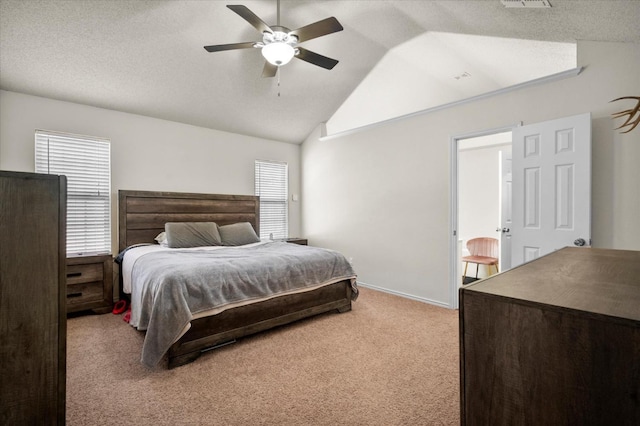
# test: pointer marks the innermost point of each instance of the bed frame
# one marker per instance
(141, 217)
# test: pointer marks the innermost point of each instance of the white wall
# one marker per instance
(146, 153)
(479, 192)
(382, 195)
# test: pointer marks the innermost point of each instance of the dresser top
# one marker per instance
(600, 281)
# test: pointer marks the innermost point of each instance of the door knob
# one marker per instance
(505, 230)
(580, 242)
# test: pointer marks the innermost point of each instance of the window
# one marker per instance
(272, 185)
(85, 161)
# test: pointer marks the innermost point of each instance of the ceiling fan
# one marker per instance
(280, 44)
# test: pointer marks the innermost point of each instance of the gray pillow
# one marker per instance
(238, 234)
(192, 234)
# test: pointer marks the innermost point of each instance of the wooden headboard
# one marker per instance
(142, 214)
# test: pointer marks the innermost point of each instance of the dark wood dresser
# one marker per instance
(300, 241)
(32, 299)
(554, 342)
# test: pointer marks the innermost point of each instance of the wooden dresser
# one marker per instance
(554, 342)
(32, 299)
(300, 241)
(90, 283)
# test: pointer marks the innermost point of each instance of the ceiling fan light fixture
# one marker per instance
(280, 44)
(278, 53)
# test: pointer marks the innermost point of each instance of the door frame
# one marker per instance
(453, 208)
(505, 237)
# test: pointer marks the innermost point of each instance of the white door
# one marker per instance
(551, 187)
(506, 210)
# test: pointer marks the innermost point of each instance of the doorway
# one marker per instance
(480, 199)
(551, 191)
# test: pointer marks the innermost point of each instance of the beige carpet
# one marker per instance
(390, 361)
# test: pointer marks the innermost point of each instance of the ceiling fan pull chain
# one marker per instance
(278, 78)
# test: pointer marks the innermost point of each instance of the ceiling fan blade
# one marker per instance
(269, 70)
(317, 29)
(250, 17)
(316, 59)
(221, 47)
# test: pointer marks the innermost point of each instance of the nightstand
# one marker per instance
(301, 241)
(90, 283)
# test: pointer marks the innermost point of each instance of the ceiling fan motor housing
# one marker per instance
(278, 47)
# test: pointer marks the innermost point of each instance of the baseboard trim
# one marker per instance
(405, 295)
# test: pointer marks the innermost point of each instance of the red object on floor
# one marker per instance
(127, 317)
(120, 307)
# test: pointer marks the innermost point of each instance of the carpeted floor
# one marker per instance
(390, 361)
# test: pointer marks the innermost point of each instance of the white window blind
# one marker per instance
(272, 185)
(85, 161)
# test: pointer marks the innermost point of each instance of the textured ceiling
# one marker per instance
(147, 57)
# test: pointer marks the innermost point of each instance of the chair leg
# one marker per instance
(464, 274)
(477, 269)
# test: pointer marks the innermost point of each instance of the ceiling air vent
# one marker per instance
(529, 4)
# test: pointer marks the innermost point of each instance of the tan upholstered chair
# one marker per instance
(483, 251)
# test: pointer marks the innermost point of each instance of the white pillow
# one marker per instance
(162, 239)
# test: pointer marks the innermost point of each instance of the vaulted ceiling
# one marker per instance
(147, 57)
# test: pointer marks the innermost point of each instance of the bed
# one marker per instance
(142, 216)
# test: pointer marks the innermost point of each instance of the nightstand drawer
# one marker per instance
(84, 292)
(87, 273)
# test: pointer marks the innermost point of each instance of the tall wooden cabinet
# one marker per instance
(32, 298)
(554, 342)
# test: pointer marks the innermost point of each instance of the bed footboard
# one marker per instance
(209, 332)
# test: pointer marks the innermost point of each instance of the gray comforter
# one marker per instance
(173, 285)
